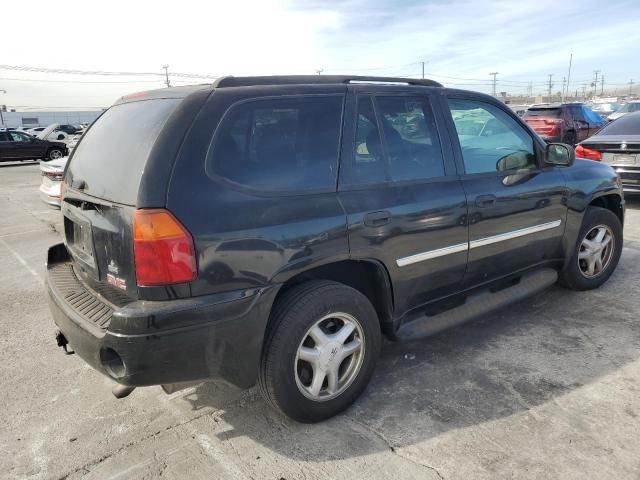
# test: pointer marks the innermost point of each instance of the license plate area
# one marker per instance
(79, 237)
(624, 159)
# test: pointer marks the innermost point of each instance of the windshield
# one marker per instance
(543, 112)
(110, 158)
(630, 107)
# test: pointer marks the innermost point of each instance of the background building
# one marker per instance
(42, 119)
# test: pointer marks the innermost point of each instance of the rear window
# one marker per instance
(112, 155)
(543, 112)
(286, 144)
(625, 125)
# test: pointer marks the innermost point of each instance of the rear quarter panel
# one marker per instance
(244, 239)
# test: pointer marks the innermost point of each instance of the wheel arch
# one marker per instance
(370, 277)
(610, 201)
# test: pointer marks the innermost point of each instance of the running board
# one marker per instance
(477, 304)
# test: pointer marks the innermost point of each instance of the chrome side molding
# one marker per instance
(463, 247)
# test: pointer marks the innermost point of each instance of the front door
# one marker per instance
(22, 146)
(516, 204)
(404, 204)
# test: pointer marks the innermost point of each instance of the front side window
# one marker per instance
(285, 144)
(491, 141)
(19, 137)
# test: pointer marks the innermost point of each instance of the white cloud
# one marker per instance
(462, 38)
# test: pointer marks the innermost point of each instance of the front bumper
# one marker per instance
(160, 342)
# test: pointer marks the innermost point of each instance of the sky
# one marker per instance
(460, 41)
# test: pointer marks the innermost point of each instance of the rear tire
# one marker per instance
(594, 259)
(320, 351)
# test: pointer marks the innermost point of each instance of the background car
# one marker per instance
(618, 145)
(566, 122)
(629, 107)
(52, 173)
(16, 145)
(605, 109)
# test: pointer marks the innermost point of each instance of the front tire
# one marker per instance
(320, 351)
(596, 252)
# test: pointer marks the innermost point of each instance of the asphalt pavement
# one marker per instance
(548, 388)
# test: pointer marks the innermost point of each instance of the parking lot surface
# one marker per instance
(549, 388)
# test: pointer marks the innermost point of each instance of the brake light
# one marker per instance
(589, 153)
(162, 248)
(553, 121)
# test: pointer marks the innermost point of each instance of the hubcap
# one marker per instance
(329, 357)
(55, 154)
(596, 251)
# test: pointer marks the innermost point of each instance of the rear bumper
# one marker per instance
(151, 343)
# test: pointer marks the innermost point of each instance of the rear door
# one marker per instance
(595, 121)
(516, 205)
(404, 203)
(580, 122)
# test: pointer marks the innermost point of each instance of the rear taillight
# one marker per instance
(589, 153)
(163, 249)
(553, 121)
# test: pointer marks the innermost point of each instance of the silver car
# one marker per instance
(632, 106)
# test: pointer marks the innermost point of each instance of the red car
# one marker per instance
(567, 123)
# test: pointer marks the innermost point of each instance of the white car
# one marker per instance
(632, 106)
(53, 135)
(52, 173)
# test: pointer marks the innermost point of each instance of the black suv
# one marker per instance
(16, 145)
(272, 229)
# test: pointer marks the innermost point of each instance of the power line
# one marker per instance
(45, 80)
(65, 71)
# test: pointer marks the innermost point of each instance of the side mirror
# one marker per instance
(559, 154)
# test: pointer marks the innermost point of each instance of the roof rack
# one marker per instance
(316, 80)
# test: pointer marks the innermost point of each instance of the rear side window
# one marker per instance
(111, 157)
(286, 144)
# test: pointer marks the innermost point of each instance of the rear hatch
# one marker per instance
(545, 121)
(101, 190)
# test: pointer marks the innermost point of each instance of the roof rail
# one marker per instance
(316, 80)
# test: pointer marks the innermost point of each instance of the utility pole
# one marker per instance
(166, 74)
(584, 92)
(1, 108)
(319, 71)
(494, 82)
(595, 82)
(602, 86)
(423, 70)
(569, 75)
(550, 85)
(564, 80)
(530, 89)
(630, 86)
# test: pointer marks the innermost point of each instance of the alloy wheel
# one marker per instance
(329, 357)
(596, 251)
